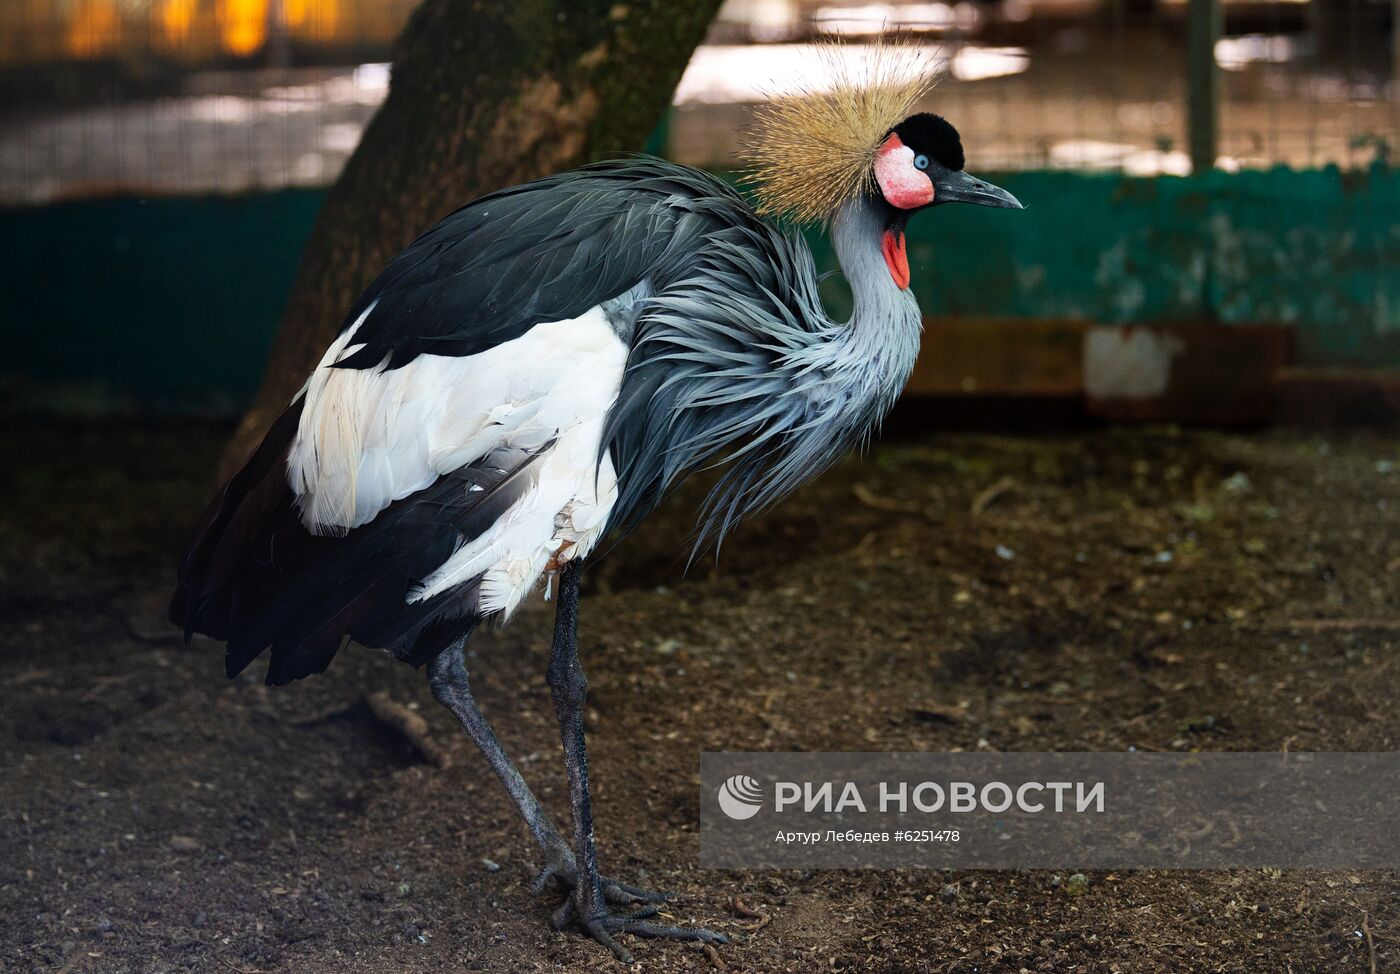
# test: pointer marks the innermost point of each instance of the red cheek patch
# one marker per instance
(892, 246)
(901, 183)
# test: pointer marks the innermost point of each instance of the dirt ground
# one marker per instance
(1096, 590)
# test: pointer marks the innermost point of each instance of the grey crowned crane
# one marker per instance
(538, 370)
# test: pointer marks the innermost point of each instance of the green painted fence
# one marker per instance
(1318, 250)
(166, 305)
(169, 305)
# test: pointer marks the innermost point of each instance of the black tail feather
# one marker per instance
(201, 602)
(256, 577)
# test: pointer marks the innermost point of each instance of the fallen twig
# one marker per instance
(1370, 944)
(871, 499)
(325, 713)
(989, 496)
(29, 676)
(412, 726)
(241, 970)
(716, 961)
(744, 910)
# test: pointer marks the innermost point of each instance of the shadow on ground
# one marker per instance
(1149, 588)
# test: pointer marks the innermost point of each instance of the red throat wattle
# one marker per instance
(895, 258)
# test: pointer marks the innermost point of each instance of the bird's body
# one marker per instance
(537, 371)
(661, 325)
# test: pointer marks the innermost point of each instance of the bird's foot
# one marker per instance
(601, 925)
(563, 868)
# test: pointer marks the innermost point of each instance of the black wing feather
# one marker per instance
(545, 251)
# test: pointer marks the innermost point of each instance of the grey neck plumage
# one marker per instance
(875, 350)
(730, 372)
(833, 389)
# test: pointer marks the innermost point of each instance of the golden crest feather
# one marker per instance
(812, 151)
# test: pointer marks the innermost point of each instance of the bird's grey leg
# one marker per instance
(586, 905)
(447, 675)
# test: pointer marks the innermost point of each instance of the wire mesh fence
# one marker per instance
(187, 96)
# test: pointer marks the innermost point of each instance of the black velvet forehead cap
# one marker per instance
(935, 137)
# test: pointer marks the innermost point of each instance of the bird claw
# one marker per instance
(602, 926)
(563, 869)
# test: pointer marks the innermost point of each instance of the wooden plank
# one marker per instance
(1323, 399)
(1184, 373)
(976, 357)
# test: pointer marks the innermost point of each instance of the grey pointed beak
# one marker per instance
(961, 187)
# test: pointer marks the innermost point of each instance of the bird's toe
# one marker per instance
(620, 893)
(602, 926)
(552, 871)
(645, 928)
(563, 869)
(641, 924)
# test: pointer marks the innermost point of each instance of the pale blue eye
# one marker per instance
(921, 161)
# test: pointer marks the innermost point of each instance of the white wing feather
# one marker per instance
(370, 437)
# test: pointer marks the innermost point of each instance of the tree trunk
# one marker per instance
(485, 94)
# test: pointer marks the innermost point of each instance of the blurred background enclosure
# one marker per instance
(177, 150)
(227, 95)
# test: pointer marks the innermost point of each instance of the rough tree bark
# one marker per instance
(485, 94)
